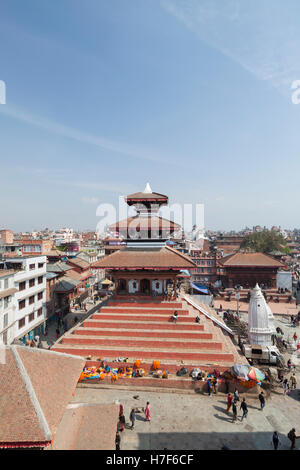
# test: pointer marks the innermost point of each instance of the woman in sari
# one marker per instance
(148, 412)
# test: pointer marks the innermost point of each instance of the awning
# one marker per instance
(202, 289)
(185, 271)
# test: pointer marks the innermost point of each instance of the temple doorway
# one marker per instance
(122, 285)
(145, 286)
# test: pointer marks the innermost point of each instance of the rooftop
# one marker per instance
(250, 259)
(160, 258)
(35, 388)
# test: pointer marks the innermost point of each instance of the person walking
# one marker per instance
(226, 386)
(236, 395)
(132, 418)
(148, 412)
(209, 387)
(286, 387)
(118, 441)
(292, 437)
(244, 407)
(215, 385)
(234, 411)
(229, 402)
(293, 381)
(122, 423)
(262, 400)
(275, 440)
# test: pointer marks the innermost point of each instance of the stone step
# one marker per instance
(143, 311)
(148, 333)
(176, 305)
(141, 324)
(149, 318)
(153, 354)
(168, 343)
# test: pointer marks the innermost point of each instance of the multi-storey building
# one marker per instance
(30, 296)
(7, 306)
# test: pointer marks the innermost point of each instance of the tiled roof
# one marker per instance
(163, 258)
(66, 284)
(58, 267)
(141, 223)
(250, 259)
(79, 276)
(35, 388)
(141, 195)
(87, 426)
(81, 263)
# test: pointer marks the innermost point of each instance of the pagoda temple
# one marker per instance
(147, 265)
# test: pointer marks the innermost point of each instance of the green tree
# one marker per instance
(265, 242)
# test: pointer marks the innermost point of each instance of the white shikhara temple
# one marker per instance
(260, 319)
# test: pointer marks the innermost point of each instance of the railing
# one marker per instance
(211, 317)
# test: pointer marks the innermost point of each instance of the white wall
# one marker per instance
(25, 275)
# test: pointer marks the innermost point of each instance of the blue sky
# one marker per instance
(191, 95)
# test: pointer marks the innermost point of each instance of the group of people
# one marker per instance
(288, 384)
(132, 419)
(34, 343)
(232, 403)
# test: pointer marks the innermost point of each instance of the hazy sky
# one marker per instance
(192, 95)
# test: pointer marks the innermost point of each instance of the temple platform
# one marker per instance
(271, 295)
(145, 331)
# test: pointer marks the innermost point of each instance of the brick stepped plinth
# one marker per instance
(145, 331)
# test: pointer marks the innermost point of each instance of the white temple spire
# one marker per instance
(260, 319)
(147, 189)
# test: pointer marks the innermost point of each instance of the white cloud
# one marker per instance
(84, 137)
(263, 37)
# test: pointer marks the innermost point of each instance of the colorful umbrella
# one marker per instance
(256, 374)
(241, 370)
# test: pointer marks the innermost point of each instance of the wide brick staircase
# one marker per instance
(145, 331)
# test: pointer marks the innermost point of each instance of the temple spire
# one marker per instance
(148, 189)
(260, 319)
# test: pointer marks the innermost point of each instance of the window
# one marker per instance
(40, 279)
(41, 265)
(31, 282)
(257, 351)
(5, 283)
(6, 301)
(22, 285)
(5, 320)
(32, 266)
(31, 317)
(21, 304)
(40, 295)
(31, 300)
(21, 322)
(39, 312)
